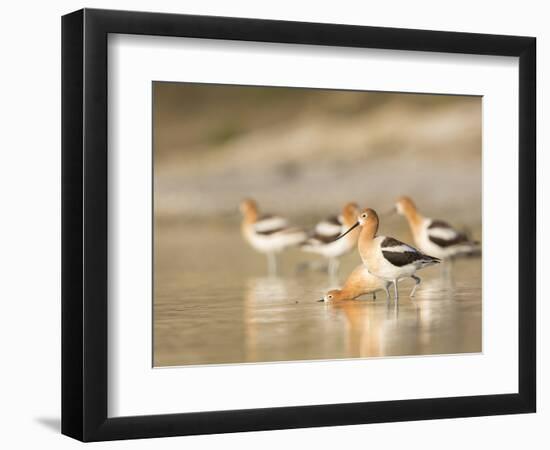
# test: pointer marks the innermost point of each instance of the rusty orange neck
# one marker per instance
(250, 216)
(349, 214)
(346, 293)
(414, 218)
(369, 229)
(340, 295)
(368, 233)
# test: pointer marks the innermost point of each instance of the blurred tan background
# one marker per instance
(303, 152)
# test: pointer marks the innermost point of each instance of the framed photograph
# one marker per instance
(272, 224)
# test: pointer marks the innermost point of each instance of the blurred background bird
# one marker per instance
(268, 233)
(322, 239)
(432, 236)
(305, 152)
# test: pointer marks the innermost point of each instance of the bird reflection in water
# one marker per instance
(262, 299)
(365, 335)
(373, 326)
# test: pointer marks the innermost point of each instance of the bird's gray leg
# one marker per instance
(451, 268)
(331, 267)
(395, 291)
(333, 264)
(333, 271)
(447, 267)
(417, 280)
(272, 263)
(387, 291)
(318, 265)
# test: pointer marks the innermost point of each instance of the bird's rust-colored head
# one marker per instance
(249, 209)
(333, 295)
(366, 216)
(349, 213)
(368, 219)
(405, 206)
(350, 208)
(248, 205)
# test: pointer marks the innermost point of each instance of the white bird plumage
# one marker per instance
(322, 239)
(435, 237)
(268, 234)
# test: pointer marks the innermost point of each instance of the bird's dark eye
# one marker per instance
(330, 296)
(364, 216)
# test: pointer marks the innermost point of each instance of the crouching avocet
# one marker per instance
(322, 239)
(360, 282)
(386, 257)
(267, 233)
(435, 237)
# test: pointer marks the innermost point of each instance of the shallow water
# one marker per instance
(214, 304)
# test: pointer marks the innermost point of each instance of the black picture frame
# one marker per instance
(84, 224)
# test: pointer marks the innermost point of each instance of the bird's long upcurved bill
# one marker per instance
(342, 235)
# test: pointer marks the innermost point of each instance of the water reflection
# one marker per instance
(206, 312)
(365, 336)
(261, 299)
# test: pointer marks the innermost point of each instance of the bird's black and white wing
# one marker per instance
(444, 235)
(325, 231)
(269, 224)
(400, 254)
(330, 226)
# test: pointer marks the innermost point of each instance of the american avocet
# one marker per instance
(386, 257)
(360, 282)
(435, 237)
(321, 240)
(268, 234)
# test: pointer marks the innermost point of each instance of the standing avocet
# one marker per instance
(360, 282)
(268, 234)
(435, 237)
(322, 242)
(386, 257)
